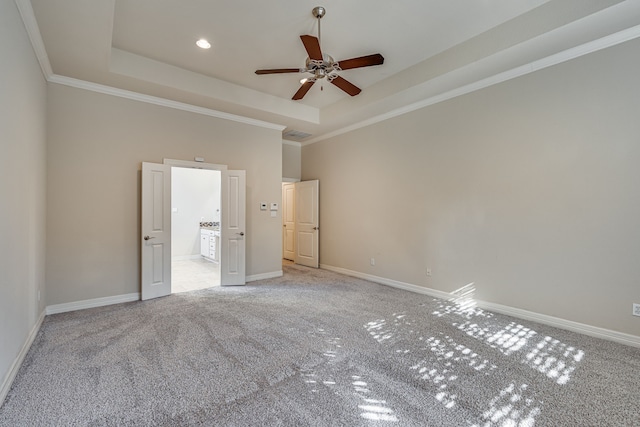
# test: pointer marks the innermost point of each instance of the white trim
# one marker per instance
(28, 17)
(389, 282)
(293, 143)
(33, 31)
(569, 325)
(163, 102)
(555, 59)
(194, 165)
(7, 381)
(262, 276)
(290, 179)
(92, 303)
(594, 331)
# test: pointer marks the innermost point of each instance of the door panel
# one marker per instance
(288, 221)
(232, 230)
(307, 223)
(156, 230)
(234, 255)
(306, 244)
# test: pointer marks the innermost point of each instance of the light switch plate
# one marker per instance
(263, 206)
(274, 206)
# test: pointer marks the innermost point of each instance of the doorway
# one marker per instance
(155, 251)
(300, 222)
(195, 229)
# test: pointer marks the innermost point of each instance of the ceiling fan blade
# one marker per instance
(363, 61)
(346, 86)
(280, 70)
(303, 90)
(312, 45)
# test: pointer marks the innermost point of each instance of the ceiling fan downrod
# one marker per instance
(318, 13)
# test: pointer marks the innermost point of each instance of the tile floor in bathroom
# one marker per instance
(193, 274)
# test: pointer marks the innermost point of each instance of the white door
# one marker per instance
(232, 228)
(307, 224)
(288, 221)
(156, 230)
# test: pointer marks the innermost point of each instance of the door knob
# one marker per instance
(241, 233)
(148, 238)
(316, 228)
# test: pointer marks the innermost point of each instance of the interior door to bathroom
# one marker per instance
(156, 231)
(232, 230)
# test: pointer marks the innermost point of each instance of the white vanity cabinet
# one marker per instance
(209, 244)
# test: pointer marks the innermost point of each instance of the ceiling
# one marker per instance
(432, 49)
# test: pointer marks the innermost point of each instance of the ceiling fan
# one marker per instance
(322, 66)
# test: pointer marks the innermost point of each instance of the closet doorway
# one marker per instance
(300, 222)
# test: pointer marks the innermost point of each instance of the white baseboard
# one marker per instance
(607, 334)
(261, 276)
(92, 303)
(594, 331)
(117, 299)
(17, 362)
(389, 282)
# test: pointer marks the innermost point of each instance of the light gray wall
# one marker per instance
(22, 187)
(195, 194)
(291, 161)
(96, 145)
(529, 189)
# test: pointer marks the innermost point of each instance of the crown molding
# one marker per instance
(28, 17)
(549, 61)
(163, 102)
(33, 31)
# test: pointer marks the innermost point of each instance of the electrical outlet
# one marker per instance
(428, 272)
(373, 261)
(636, 309)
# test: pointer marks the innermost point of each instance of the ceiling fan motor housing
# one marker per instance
(322, 69)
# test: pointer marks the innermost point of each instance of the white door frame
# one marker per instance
(192, 165)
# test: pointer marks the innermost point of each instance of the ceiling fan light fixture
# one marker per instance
(203, 44)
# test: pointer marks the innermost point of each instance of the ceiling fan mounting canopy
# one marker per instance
(319, 11)
(323, 66)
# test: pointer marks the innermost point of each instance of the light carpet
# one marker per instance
(316, 348)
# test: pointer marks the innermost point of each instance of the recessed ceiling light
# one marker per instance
(202, 43)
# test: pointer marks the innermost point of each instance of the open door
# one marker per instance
(156, 230)
(288, 221)
(307, 223)
(232, 231)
